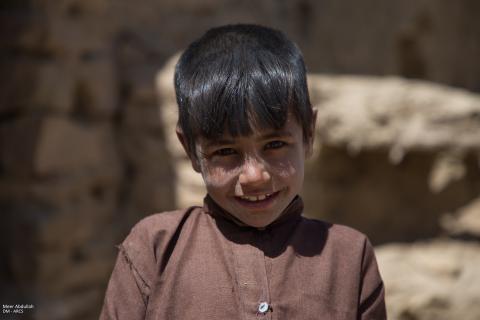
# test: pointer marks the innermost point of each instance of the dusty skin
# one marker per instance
(267, 166)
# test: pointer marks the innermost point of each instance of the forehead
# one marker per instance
(291, 129)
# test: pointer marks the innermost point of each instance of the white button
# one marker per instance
(263, 307)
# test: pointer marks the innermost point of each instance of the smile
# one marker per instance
(256, 198)
(258, 202)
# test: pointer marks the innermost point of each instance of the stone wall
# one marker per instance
(84, 153)
(435, 280)
(394, 157)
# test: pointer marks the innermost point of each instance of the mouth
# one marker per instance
(255, 198)
(259, 201)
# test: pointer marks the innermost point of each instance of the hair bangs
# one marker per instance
(238, 103)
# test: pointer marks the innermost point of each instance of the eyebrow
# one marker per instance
(276, 134)
(267, 136)
(221, 142)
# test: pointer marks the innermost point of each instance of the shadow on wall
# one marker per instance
(389, 202)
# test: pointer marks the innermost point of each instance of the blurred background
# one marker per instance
(87, 146)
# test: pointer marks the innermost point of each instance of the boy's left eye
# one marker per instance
(224, 152)
(275, 144)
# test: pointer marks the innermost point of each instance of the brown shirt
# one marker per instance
(202, 263)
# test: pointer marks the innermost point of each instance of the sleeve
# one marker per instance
(127, 293)
(141, 258)
(372, 295)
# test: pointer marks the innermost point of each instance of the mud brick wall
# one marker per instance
(82, 153)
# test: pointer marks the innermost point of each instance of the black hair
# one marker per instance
(236, 77)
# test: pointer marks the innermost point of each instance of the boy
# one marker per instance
(246, 122)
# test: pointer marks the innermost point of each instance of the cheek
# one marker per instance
(288, 167)
(217, 176)
(284, 169)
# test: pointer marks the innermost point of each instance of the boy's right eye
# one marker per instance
(224, 152)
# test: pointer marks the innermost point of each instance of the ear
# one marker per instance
(311, 137)
(190, 153)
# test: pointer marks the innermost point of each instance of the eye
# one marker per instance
(224, 152)
(276, 144)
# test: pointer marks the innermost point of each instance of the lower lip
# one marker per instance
(258, 205)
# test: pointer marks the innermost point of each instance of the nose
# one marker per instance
(253, 172)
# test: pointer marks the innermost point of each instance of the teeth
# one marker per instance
(256, 198)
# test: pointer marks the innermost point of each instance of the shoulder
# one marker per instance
(145, 245)
(157, 227)
(163, 222)
(335, 237)
(336, 231)
(351, 264)
(339, 245)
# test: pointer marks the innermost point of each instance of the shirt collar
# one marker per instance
(291, 213)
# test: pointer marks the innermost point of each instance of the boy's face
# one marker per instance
(254, 177)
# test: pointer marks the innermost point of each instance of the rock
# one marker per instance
(431, 280)
(401, 115)
(190, 188)
(95, 89)
(17, 143)
(56, 145)
(392, 156)
(465, 222)
(76, 7)
(168, 107)
(53, 88)
(76, 193)
(76, 36)
(141, 106)
(65, 146)
(150, 177)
